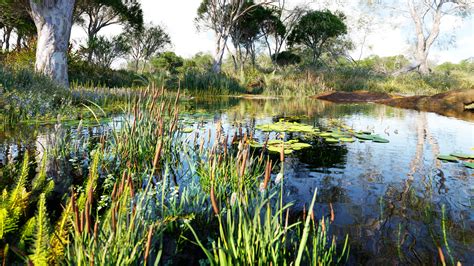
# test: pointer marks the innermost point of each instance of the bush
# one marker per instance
(25, 95)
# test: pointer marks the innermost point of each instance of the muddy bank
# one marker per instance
(459, 104)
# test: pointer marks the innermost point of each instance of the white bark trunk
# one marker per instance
(53, 20)
(218, 57)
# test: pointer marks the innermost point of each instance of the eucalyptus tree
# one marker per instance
(145, 43)
(95, 15)
(53, 20)
(315, 29)
(426, 16)
(15, 18)
(221, 16)
(105, 50)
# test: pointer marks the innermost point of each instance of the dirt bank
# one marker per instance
(454, 103)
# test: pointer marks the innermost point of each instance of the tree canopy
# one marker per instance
(315, 28)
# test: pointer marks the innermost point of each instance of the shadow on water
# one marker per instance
(395, 200)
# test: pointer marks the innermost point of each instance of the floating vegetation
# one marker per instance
(283, 126)
(187, 130)
(275, 145)
(469, 165)
(462, 155)
(466, 159)
(447, 158)
(338, 133)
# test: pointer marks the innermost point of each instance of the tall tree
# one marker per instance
(107, 50)
(427, 16)
(221, 16)
(146, 43)
(315, 29)
(95, 15)
(53, 20)
(15, 18)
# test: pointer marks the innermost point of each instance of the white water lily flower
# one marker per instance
(279, 178)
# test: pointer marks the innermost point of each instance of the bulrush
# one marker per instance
(332, 212)
(213, 196)
(268, 173)
(148, 244)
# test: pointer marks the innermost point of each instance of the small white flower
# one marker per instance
(279, 178)
(262, 187)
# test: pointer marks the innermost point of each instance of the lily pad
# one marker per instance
(469, 165)
(325, 134)
(379, 139)
(284, 126)
(364, 136)
(448, 158)
(187, 130)
(462, 155)
(331, 140)
(350, 139)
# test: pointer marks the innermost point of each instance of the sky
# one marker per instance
(384, 39)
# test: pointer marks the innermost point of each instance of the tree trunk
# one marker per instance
(220, 49)
(53, 20)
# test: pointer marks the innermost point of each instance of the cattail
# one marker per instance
(214, 202)
(130, 184)
(323, 226)
(114, 190)
(148, 243)
(332, 212)
(244, 164)
(81, 223)
(113, 217)
(87, 218)
(286, 219)
(441, 256)
(213, 196)
(157, 154)
(96, 231)
(268, 172)
(282, 152)
(304, 212)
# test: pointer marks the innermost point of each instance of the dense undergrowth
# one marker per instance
(148, 193)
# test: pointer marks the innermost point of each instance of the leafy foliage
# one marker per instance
(315, 28)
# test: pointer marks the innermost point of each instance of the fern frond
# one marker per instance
(27, 233)
(41, 245)
(40, 179)
(18, 193)
(59, 238)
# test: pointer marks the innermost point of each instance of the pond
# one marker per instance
(396, 201)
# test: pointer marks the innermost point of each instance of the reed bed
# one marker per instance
(146, 192)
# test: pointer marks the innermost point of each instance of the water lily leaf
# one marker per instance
(325, 134)
(364, 136)
(187, 130)
(345, 139)
(331, 140)
(448, 158)
(469, 165)
(379, 139)
(298, 146)
(462, 155)
(277, 149)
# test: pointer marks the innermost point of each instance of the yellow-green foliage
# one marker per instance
(91, 181)
(41, 243)
(34, 235)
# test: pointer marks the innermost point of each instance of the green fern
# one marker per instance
(41, 245)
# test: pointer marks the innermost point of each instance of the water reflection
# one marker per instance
(387, 197)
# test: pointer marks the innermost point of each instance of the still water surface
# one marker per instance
(389, 198)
